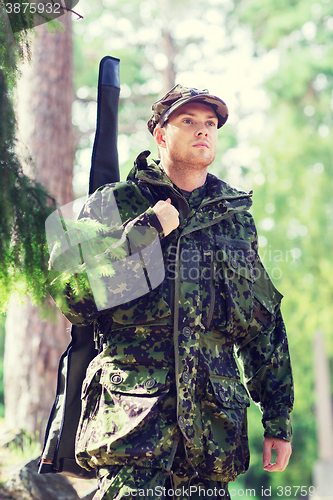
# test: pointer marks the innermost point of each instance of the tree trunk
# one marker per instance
(169, 74)
(33, 347)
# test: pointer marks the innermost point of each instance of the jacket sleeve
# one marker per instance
(265, 358)
(103, 239)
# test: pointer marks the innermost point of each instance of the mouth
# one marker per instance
(201, 145)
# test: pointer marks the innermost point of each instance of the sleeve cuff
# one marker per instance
(153, 221)
(278, 427)
(142, 231)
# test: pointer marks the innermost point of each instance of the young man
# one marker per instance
(163, 405)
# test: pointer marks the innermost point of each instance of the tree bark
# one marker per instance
(33, 347)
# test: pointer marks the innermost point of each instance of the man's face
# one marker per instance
(190, 137)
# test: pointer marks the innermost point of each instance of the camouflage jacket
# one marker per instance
(166, 368)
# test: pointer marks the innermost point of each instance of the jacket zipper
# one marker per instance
(177, 281)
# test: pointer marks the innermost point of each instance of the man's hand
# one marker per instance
(167, 214)
(283, 452)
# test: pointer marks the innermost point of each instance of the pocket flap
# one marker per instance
(236, 254)
(264, 290)
(136, 380)
(230, 393)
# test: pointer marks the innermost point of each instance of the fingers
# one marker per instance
(283, 452)
(167, 214)
(267, 453)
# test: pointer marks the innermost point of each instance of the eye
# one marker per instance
(211, 124)
(187, 120)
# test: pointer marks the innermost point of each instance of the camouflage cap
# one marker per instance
(178, 96)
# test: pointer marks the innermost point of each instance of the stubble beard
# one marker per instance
(191, 163)
(184, 169)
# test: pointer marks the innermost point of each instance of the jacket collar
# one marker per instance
(214, 189)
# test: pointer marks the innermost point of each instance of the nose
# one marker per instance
(202, 130)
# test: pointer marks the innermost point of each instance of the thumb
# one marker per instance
(168, 200)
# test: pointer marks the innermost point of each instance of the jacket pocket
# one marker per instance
(267, 297)
(230, 393)
(234, 284)
(120, 416)
(266, 303)
(225, 422)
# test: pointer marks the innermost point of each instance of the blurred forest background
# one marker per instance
(272, 64)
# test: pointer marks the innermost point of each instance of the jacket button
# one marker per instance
(187, 331)
(181, 421)
(149, 383)
(116, 379)
(185, 377)
(234, 263)
(252, 273)
(222, 396)
(239, 398)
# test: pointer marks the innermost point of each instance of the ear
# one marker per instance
(159, 135)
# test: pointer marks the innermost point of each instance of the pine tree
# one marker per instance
(24, 203)
(33, 346)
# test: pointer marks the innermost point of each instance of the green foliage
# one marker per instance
(20, 16)
(293, 204)
(100, 250)
(24, 204)
(293, 207)
(2, 351)
(272, 21)
(142, 35)
(24, 207)
(13, 46)
(23, 16)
